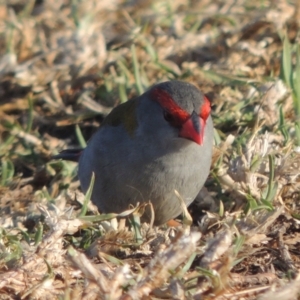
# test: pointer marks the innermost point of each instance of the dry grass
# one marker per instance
(67, 63)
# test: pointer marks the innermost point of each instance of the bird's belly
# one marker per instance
(137, 180)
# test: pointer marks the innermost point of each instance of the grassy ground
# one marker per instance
(65, 64)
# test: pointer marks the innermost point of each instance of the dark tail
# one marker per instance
(69, 154)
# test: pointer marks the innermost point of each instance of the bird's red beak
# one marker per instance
(193, 129)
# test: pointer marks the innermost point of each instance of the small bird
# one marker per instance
(148, 147)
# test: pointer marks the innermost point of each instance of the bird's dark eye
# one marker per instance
(168, 117)
(172, 119)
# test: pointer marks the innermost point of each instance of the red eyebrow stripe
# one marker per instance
(166, 102)
(205, 109)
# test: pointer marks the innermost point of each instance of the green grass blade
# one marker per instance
(137, 75)
(39, 234)
(286, 62)
(7, 171)
(80, 137)
(87, 197)
(122, 93)
(296, 85)
(271, 185)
